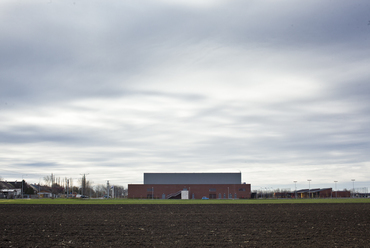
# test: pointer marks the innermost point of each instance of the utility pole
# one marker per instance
(22, 184)
(353, 191)
(107, 189)
(295, 189)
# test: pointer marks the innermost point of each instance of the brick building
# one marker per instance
(190, 186)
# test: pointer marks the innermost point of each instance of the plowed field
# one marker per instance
(275, 225)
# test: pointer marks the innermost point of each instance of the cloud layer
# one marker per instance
(277, 90)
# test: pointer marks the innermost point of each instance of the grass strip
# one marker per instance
(155, 201)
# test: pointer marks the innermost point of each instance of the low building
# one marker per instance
(45, 194)
(284, 194)
(10, 193)
(11, 189)
(313, 193)
(341, 194)
(190, 186)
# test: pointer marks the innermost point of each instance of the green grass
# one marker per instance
(149, 201)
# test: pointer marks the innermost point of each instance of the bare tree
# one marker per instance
(89, 189)
(83, 185)
(48, 180)
(73, 189)
(1, 184)
(119, 192)
(100, 190)
(54, 183)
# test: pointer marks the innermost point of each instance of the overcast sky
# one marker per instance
(279, 90)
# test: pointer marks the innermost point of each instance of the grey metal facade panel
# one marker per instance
(192, 178)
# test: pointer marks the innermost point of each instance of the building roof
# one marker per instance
(312, 190)
(11, 185)
(193, 178)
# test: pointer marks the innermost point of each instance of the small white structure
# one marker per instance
(14, 192)
(185, 194)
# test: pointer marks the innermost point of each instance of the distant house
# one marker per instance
(16, 184)
(36, 188)
(44, 194)
(10, 193)
(10, 189)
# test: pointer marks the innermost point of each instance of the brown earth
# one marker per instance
(280, 225)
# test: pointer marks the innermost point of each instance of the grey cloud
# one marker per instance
(39, 134)
(39, 165)
(126, 46)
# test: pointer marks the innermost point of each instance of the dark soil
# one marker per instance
(281, 225)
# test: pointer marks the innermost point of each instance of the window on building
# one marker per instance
(149, 189)
(242, 189)
(212, 196)
(212, 190)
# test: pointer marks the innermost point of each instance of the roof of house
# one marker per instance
(16, 184)
(10, 185)
(43, 193)
(40, 188)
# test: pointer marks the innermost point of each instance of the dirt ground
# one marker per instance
(281, 225)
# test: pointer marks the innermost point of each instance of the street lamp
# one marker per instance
(336, 191)
(309, 188)
(295, 189)
(22, 183)
(353, 191)
(272, 192)
(67, 191)
(266, 192)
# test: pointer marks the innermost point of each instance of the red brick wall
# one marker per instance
(325, 193)
(340, 194)
(199, 190)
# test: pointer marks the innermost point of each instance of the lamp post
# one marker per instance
(353, 190)
(336, 191)
(67, 188)
(262, 193)
(108, 189)
(22, 183)
(266, 192)
(295, 189)
(309, 188)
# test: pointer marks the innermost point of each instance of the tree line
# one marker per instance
(82, 186)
